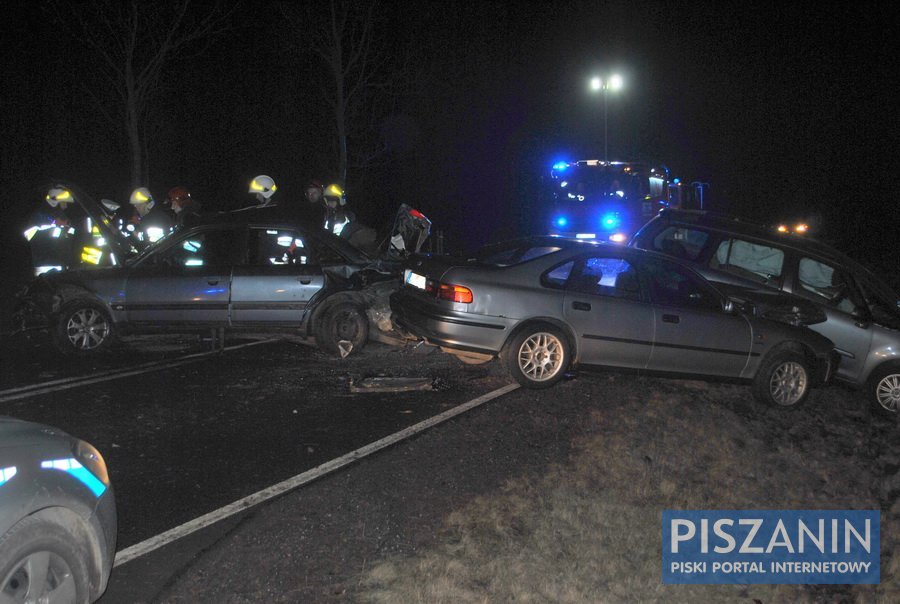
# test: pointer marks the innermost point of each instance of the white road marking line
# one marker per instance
(153, 543)
(64, 384)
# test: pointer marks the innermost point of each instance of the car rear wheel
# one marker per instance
(884, 389)
(538, 356)
(342, 329)
(83, 327)
(40, 561)
(783, 379)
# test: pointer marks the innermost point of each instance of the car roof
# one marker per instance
(275, 217)
(736, 225)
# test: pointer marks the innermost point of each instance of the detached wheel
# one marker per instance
(538, 356)
(884, 389)
(41, 562)
(342, 322)
(83, 327)
(783, 379)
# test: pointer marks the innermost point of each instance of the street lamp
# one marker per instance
(612, 83)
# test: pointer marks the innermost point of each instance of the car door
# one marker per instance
(279, 277)
(835, 292)
(693, 334)
(185, 282)
(605, 307)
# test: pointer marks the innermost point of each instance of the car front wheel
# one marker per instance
(83, 327)
(538, 356)
(783, 379)
(342, 328)
(884, 389)
(41, 562)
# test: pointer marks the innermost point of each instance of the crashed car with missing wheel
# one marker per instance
(256, 270)
(545, 305)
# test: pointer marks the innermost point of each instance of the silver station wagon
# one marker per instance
(862, 312)
(545, 304)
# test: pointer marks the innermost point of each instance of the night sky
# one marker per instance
(787, 111)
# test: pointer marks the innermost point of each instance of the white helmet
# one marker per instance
(140, 195)
(263, 186)
(57, 195)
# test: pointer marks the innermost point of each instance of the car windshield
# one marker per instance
(511, 253)
(151, 248)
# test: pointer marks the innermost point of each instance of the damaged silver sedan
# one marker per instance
(253, 270)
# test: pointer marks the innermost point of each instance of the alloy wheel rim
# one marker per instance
(40, 577)
(87, 329)
(788, 383)
(888, 392)
(541, 356)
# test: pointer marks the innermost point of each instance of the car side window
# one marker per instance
(605, 276)
(754, 261)
(827, 284)
(681, 242)
(558, 276)
(279, 247)
(204, 248)
(673, 285)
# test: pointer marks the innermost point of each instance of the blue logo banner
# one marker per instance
(771, 546)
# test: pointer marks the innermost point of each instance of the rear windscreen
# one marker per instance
(508, 254)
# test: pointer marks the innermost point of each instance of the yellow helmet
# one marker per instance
(57, 195)
(263, 186)
(335, 191)
(140, 195)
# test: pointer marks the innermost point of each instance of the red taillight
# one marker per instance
(455, 293)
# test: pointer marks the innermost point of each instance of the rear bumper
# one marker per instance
(462, 331)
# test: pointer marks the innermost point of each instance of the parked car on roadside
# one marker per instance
(256, 269)
(545, 304)
(862, 312)
(57, 516)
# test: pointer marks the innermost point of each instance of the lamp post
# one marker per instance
(613, 83)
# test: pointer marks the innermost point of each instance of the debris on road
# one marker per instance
(392, 384)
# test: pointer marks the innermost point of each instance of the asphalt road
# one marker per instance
(186, 439)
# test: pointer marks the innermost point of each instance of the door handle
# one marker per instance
(212, 281)
(304, 280)
(581, 306)
(671, 319)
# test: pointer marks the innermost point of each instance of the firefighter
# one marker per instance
(151, 221)
(341, 220)
(337, 214)
(263, 188)
(185, 207)
(52, 232)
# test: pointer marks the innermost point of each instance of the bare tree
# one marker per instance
(134, 42)
(367, 73)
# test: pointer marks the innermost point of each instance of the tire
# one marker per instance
(83, 327)
(41, 561)
(537, 357)
(342, 321)
(883, 389)
(784, 379)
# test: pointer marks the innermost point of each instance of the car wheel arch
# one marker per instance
(878, 373)
(84, 530)
(529, 323)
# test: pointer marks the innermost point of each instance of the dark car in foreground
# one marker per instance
(862, 313)
(546, 304)
(253, 270)
(57, 516)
